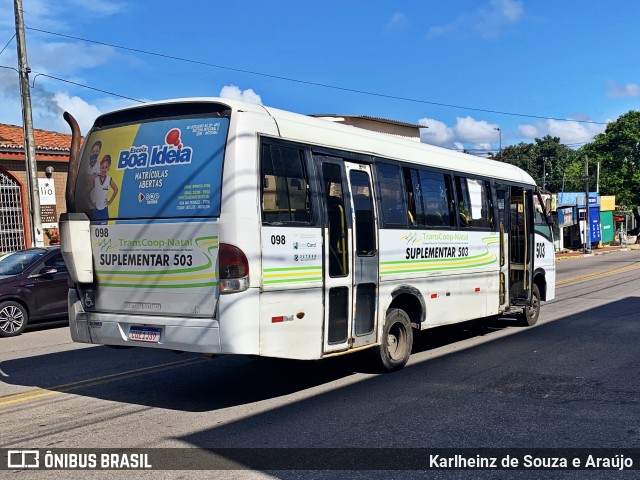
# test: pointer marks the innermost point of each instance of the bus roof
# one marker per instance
(307, 129)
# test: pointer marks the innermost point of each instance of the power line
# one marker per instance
(10, 40)
(84, 86)
(40, 74)
(306, 82)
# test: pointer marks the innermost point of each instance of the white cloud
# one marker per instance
(82, 111)
(469, 130)
(436, 133)
(10, 112)
(629, 90)
(234, 92)
(398, 21)
(500, 14)
(101, 7)
(488, 21)
(467, 133)
(471, 134)
(529, 131)
(508, 10)
(64, 58)
(568, 132)
(60, 14)
(47, 106)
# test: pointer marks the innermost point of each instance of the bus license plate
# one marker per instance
(144, 334)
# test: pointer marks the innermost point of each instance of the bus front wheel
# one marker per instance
(396, 342)
(529, 316)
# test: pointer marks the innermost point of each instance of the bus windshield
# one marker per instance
(168, 168)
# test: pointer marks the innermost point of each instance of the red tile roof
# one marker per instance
(12, 136)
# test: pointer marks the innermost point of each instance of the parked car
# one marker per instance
(33, 288)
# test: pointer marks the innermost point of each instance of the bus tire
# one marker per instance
(396, 343)
(529, 316)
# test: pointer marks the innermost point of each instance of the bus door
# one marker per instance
(521, 245)
(346, 324)
(544, 253)
(365, 254)
(503, 197)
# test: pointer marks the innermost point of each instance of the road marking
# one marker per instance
(67, 387)
(596, 275)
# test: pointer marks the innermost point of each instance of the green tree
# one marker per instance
(618, 151)
(546, 160)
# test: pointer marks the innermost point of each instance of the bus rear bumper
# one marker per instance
(201, 335)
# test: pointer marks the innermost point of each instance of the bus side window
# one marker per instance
(541, 224)
(336, 220)
(285, 188)
(414, 197)
(474, 203)
(394, 210)
(464, 202)
(438, 199)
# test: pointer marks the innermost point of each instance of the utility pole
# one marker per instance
(587, 225)
(37, 239)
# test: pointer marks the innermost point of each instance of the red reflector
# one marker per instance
(277, 319)
(232, 262)
(477, 289)
(434, 295)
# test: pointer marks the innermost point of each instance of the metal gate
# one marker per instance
(11, 215)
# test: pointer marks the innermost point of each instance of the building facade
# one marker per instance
(52, 157)
(407, 131)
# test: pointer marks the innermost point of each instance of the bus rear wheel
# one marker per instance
(396, 342)
(529, 316)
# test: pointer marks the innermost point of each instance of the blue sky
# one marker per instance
(569, 59)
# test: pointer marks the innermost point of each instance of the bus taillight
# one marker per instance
(233, 269)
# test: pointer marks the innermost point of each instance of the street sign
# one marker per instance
(47, 192)
(49, 215)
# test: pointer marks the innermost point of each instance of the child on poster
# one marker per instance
(102, 184)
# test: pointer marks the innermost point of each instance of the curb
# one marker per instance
(567, 256)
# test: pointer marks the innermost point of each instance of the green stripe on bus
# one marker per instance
(473, 258)
(148, 273)
(176, 285)
(291, 280)
(433, 268)
(198, 240)
(291, 269)
(435, 264)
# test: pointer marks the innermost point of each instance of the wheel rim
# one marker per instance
(535, 306)
(396, 341)
(11, 319)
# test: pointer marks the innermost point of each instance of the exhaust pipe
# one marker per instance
(75, 229)
(74, 162)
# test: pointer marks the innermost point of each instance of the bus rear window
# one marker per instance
(169, 168)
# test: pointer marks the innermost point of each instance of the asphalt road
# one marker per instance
(573, 381)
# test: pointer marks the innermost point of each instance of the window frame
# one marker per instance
(309, 176)
(379, 200)
(548, 224)
(489, 189)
